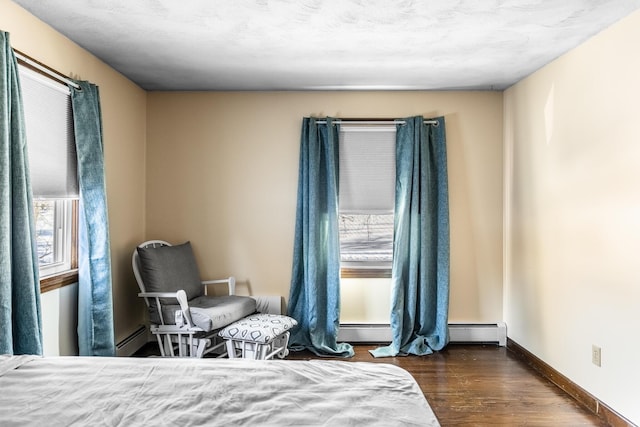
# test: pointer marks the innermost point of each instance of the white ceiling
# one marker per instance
(328, 44)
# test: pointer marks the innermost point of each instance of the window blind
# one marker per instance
(50, 137)
(367, 169)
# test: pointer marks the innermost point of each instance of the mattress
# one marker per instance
(99, 391)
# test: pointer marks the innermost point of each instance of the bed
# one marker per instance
(97, 391)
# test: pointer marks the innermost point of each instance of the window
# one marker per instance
(55, 236)
(366, 199)
(52, 165)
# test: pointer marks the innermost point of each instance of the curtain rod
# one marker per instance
(46, 70)
(375, 122)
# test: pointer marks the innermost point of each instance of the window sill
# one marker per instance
(365, 273)
(59, 280)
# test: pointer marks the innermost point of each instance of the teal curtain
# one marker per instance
(95, 307)
(420, 271)
(20, 319)
(314, 299)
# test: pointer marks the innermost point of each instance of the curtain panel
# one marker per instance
(20, 318)
(314, 299)
(95, 307)
(420, 269)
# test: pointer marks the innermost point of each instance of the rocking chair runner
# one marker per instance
(181, 314)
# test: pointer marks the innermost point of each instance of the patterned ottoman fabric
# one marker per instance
(261, 328)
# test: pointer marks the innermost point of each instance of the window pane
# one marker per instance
(366, 238)
(45, 220)
(54, 229)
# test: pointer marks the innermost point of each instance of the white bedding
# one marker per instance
(95, 391)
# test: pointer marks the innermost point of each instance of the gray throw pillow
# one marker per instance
(169, 269)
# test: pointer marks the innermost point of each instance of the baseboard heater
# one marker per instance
(478, 333)
(132, 343)
(271, 304)
(482, 333)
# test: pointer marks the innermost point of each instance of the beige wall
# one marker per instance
(124, 124)
(365, 301)
(222, 172)
(572, 205)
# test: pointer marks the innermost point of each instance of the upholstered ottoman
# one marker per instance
(259, 336)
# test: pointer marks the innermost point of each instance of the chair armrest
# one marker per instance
(184, 306)
(158, 294)
(231, 281)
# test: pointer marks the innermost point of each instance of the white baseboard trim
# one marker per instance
(480, 333)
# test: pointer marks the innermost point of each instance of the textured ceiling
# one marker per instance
(328, 44)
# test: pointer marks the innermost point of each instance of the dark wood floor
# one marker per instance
(479, 385)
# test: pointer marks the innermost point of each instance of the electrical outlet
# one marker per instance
(596, 355)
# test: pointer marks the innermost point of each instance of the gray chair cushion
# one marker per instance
(169, 269)
(168, 313)
(210, 313)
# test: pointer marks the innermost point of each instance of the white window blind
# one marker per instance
(50, 137)
(367, 169)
